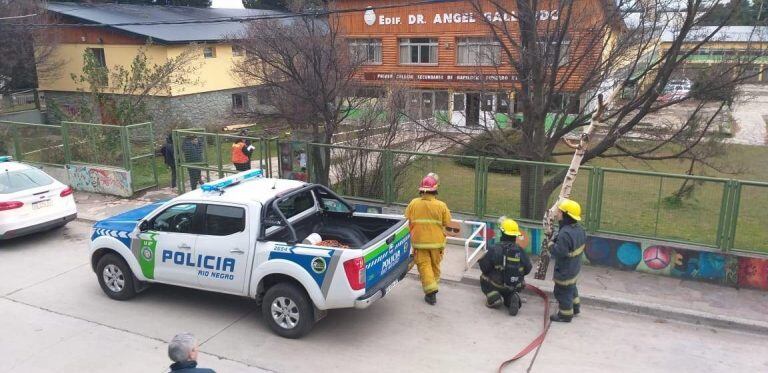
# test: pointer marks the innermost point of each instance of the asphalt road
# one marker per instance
(55, 318)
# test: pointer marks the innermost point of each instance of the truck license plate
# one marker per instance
(41, 204)
(390, 287)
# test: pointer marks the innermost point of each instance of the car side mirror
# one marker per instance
(144, 226)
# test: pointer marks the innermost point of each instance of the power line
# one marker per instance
(236, 19)
(18, 17)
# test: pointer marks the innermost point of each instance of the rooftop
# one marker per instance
(259, 190)
(732, 34)
(189, 23)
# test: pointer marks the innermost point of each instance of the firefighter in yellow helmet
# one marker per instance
(428, 218)
(504, 267)
(569, 246)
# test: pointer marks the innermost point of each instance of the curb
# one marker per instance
(86, 219)
(656, 310)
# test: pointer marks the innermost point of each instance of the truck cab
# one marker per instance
(297, 248)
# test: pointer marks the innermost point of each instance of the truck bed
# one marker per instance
(350, 229)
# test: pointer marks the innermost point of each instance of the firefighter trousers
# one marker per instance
(488, 287)
(428, 263)
(567, 298)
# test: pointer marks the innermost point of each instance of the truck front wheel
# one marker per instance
(287, 310)
(115, 277)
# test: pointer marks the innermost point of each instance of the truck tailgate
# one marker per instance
(386, 254)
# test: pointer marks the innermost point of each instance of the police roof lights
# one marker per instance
(5, 158)
(219, 185)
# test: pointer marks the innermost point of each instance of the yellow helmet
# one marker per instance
(571, 208)
(509, 227)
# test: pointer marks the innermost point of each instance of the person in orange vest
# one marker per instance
(240, 156)
(428, 218)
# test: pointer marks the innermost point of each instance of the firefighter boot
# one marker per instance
(431, 298)
(559, 317)
(514, 304)
(493, 299)
(576, 309)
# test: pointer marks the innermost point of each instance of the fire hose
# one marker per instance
(538, 340)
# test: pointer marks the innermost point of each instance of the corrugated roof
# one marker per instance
(208, 24)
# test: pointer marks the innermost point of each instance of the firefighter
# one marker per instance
(504, 267)
(428, 218)
(569, 245)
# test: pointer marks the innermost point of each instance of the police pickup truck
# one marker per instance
(256, 237)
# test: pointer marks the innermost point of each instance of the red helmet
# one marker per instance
(428, 183)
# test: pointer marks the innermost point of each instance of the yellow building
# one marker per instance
(114, 33)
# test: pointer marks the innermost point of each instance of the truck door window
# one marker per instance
(176, 219)
(223, 220)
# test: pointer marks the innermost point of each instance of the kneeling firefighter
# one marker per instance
(504, 267)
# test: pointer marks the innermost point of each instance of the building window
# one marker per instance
(458, 102)
(239, 102)
(264, 96)
(418, 51)
(564, 103)
(209, 52)
(237, 51)
(478, 52)
(365, 51)
(101, 62)
(548, 51)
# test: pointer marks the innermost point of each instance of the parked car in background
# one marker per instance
(675, 90)
(31, 201)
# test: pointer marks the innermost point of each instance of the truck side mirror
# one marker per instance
(144, 226)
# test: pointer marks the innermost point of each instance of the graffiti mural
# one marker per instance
(98, 179)
(752, 273)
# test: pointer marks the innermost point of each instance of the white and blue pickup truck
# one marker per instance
(248, 235)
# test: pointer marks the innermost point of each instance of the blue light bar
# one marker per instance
(219, 185)
(5, 158)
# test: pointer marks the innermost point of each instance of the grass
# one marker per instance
(632, 204)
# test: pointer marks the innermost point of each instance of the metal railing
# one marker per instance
(720, 214)
(129, 147)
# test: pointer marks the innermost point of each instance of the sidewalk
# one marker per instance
(663, 297)
(657, 296)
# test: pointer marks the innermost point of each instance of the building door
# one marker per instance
(473, 109)
(427, 100)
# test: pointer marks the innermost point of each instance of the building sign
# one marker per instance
(371, 18)
(439, 77)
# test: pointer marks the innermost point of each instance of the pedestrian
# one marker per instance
(569, 245)
(183, 351)
(428, 218)
(239, 156)
(169, 158)
(193, 153)
(504, 268)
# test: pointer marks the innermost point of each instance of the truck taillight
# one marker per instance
(355, 269)
(10, 205)
(66, 192)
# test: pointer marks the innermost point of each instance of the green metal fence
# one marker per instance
(129, 147)
(206, 156)
(722, 214)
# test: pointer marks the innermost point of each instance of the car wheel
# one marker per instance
(115, 277)
(287, 310)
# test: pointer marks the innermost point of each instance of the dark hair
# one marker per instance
(239, 140)
(506, 238)
(567, 219)
(432, 193)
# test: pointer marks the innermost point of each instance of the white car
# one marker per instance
(297, 248)
(31, 201)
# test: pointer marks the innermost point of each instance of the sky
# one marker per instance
(227, 4)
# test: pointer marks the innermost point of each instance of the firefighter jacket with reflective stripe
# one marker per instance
(238, 155)
(569, 245)
(505, 264)
(427, 217)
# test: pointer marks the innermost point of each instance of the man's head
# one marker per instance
(183, 347)
(239, 141)
(429, 184)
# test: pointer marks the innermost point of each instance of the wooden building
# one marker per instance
(445, 53)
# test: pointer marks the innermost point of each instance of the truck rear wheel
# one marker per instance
(115, 277)
(287, 310)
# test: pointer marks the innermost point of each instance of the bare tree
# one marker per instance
(563, 54)
(306, 65)
(27, 52)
